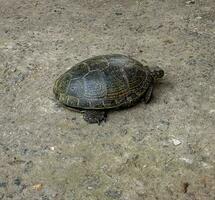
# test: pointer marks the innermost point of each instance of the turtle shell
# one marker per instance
(103, 82)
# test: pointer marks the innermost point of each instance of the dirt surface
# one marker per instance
(163, 150)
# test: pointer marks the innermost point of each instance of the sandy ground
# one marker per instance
(164, 150)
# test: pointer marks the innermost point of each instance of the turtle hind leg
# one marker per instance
(95, 116)
(148, 94)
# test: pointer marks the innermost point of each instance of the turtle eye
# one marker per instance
(72, 88)
(160, 73)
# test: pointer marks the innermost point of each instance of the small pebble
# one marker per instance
(118, 13)
(176, 142)
(185, 187)
(17, 181)
(206, 165)
(38, 186)
(114, 194)
(168, 41)
(187, 160)
(190, 2)
(28, 166)
(3, 184)
(212, 111)
(52, 148)
(163, 126)
(123, 132)
(45, 197)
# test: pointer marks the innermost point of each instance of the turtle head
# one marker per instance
(157, 72)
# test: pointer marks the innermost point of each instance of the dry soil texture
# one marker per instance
(164, 150)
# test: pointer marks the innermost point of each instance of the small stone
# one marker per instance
(185, 187)
(91, 182)
(176, 142)
(38, 186)
(24, 151)
(163, 126)
(206, 165)
(123, 132)
(17, 181)
(168, 41)
(190, 2)
(45, 197)
(118, 13)
(52, 148)
(212, 111)
(28, 166)
(114, 194)
(187, 160)
(3, 184)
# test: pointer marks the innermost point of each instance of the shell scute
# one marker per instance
(103, 82)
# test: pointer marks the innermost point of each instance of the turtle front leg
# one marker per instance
(95, 116)
(148, 94)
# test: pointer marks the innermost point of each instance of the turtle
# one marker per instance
(104, 82)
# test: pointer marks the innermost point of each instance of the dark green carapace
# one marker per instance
(105, 82)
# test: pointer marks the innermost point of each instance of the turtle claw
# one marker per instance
(148, 94)
(94, 116)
